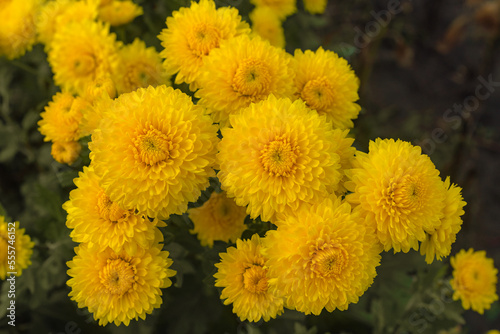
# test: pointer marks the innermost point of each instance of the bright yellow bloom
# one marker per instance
(65, 152)
(119, 287)
(493, 331)
(61, 118)
(282, 8)
(18, 31)
(155, 151)
(474, 280)
(19, 242)
(323, 256)
(219, 218)
(315, 6)
(59, 13)
(119, 12)
(268, 25)
(192, 33)
(438, 243)
(328, 85)
(82, 52)
(242, 274)
(243, 70)
(399, 190)
(96, 220)
(99, 96)
(279, 154)
(139, 67)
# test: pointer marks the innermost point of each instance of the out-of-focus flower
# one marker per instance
(243, 275)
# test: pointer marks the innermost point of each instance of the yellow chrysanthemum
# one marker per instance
(61, 118)
(192, 33)
(65, 152)
(96, 220)
(119, 12)
(119, 287)
(99, 96)
(282, 8)
(438, 243)
(80, 53)
(493, 331)
(315, 6)
(18, 31)
(242, 71)
(474, 280)
(242, 274)
(59, 13)
(399, 190)
(323, 256)
(155, 151)
(277, 155)
(219, 218)
(95, 112)
(139, 67)
(268, 25)
(13, 238)
(328, 85)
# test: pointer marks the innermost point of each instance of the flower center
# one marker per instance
(255, 280)
(153, 146)
(107, 209)
(318, 94)
(84, 64)
(203, 38)
(252, 78)
(329, 261)
(118, 276)
(405, 193)
(279, 156)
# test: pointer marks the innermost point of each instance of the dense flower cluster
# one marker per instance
(270, 127)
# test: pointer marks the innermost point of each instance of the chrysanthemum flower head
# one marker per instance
(279, 154)
(119, 287)
(315, 6)
(242, 71)
(61, 118)
(399, 190)
(65, 152)
(438, 243)
(138, 67)
(267, 24)
(12, 235)
(192, 33)
(282, 8)
(57, 14)
(96, 220)
(328, 85)
(80, 53)
(322, 256)
(18, 31)
(119, 12)
(243, 275)
(155, 151)
(219, 218)
(474, 280)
